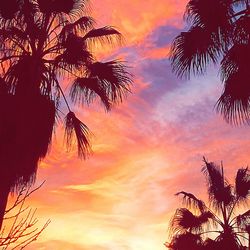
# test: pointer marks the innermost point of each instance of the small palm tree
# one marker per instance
(41, 43)
(219, 32)
(189, 225)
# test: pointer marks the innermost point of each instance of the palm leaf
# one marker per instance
(103, 35)
(241, 30)
(191, 51)
(73, 8)
(80, 25)
(242, 183)
(234, 102)
(184, 220)
(85, 90)
(212, 15)
(28, 9)
(219, 191)
(73, 124)
(15, 32)
(243, 220)
(27, 68)
(73, 59)
(75, 54)
(69, 7)
(191, 201)
(114, 77)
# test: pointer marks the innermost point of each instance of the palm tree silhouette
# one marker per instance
(189, 225)
(219, 32)
(42, 42)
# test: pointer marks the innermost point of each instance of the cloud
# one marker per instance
(136, 19)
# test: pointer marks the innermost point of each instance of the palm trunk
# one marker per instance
(4, 193)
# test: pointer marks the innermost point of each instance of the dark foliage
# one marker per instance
(219, 32)
(42, 42)
(190, 226)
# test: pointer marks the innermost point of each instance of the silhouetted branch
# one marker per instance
(20, 227)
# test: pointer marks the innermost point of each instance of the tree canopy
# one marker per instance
(219, 33)
(191, 226)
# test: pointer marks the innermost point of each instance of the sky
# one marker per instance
(144, 151)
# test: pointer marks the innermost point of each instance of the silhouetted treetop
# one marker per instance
(219, 32)
(192, 224)
(43, 42)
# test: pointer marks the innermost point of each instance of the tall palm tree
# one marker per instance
(219, 33)
(41, 43)
(220, 217)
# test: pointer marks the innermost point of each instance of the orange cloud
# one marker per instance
(137, 19)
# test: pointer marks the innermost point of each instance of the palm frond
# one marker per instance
(15, 32)
(234, 103)
(114, 78)
(234, 59)
(75, 53)
(28, 10)
(192, 202)
(73, 59)
(81, 131)
(13, 38)
(243, 220)
(103, 35)
(191, 52)
(69, 7)
(79, 26)
(212, 15)
(28, 76)
(219, 191)
(85, 90)
(185, 221)
(73, 8)
(242, 183)
(241, 30)
(65, 6)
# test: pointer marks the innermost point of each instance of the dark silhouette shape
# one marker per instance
(219, 32)
(190, 225)
(22, 219)
(42, 41)
(185, 241)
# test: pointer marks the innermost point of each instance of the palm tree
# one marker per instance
(220, 217)
(219, 33)
(41, 43)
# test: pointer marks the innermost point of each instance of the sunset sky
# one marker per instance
(144, 151)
